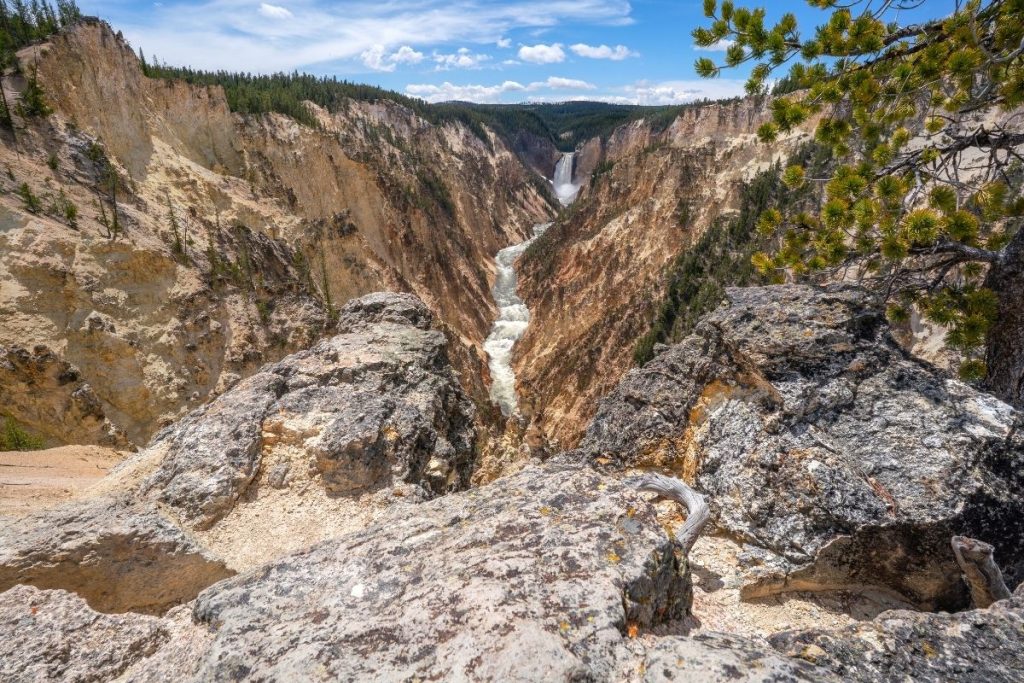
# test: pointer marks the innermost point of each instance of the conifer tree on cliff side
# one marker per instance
(926, 122)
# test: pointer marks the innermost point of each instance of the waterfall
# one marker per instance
(513, 315)
(565, 190)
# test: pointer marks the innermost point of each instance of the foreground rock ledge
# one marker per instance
(558, 573)
(841, 461)
(307, 448)
(540, 576)
(561, 572)
(53, 636)
(118, 556)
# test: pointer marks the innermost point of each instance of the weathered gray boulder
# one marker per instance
(118, 556)
(719, 658)
(379, 404)
(55, 636)
(976, 645)
(840, 460)
(539, 576)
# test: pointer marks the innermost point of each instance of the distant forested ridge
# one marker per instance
(572, 123)
(564, 124)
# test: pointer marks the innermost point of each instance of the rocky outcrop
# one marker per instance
(720, 658)
(54, 636)
(306, 449)
(594, 281)
(373, 406)
(540, 576)
(977, 645)
(47, 395)
(118, 556)
(839, 459)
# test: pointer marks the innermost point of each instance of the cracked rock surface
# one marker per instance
(378, 403)
(539, 576)
(53, 636)
(307, 448)
(837, 458)
(901, 645)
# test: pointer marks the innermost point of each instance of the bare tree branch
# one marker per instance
(698, 512)
(966, 252)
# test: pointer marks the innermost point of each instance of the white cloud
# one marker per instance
(560, 89)
(463, 58)
(220, 34)
(719, 46)
(504, 43)
(379, 59)
(471, 93)
(677, 92)
(272, 11)
(559, 83)
(492, 93)
(654, 94)
(542, 54)
(406, 55)
(376, 58)
(617, 53)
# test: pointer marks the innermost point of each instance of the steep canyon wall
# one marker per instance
(595, 279)
(237, 236)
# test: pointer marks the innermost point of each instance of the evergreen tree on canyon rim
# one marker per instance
(925, 122)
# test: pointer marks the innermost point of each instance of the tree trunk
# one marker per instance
(1004, 354)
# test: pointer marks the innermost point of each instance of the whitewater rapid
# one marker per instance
(513, 315)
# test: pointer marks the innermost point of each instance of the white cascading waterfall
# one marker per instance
(513, 315)
(565, 189)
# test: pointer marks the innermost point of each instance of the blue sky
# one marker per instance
(480, 50)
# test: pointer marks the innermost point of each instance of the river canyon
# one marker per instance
(358, 397)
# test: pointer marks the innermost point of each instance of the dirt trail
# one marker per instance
(35, 480)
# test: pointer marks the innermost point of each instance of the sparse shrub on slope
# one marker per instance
(15, 438)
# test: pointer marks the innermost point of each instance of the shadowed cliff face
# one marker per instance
(594, 280)
(240, 235)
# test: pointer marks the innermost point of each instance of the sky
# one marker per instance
(637, 52)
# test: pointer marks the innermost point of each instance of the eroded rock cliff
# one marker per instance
(236, 237)
(837, 458)
(593, 282)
